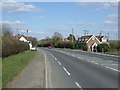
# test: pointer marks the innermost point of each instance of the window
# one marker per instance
(104, 39)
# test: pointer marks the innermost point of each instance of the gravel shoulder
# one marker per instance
(33, 76)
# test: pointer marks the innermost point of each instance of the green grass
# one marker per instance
(12, 65)
(0, 73)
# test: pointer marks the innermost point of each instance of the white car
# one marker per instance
(33, 49)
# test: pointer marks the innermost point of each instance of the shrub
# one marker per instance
(83, 46)
(11, 46)
(103, 48)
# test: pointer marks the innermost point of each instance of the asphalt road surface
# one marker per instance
(77, 69)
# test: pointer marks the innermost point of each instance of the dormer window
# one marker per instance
(104, 39)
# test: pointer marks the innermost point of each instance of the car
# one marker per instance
(33, 49)
(50, 47)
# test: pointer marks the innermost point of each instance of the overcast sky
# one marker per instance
(42, 19)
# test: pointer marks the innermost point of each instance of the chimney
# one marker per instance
(100, 34)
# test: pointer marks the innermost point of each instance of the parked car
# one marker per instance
(50, 47)
(33, 48)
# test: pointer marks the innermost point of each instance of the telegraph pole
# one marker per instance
(27, 34)
(17, 34)
(72, 35)
(85, 32)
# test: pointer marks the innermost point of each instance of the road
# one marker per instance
(77, 69)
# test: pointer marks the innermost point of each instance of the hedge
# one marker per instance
(12, 46)
(103, 48)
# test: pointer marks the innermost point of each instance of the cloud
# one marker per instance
(13, 7)
(11, 23)
(82, 23)
(99, 0)
(30, 31)
(64, 0)
(58, 28)
(112, 19)
(109, 22)
(98, 5)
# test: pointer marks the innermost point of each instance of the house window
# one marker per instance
(104, 39)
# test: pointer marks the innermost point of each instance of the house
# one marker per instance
(65, 40)
(93, 41)
(23, 39)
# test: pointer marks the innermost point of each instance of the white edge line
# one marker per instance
(112, 69)
(78, 85)
(55, 58)
(66, 71)
(59, 63)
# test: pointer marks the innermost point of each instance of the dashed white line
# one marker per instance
(52, 55)
(78, 85)
(79, 57)
(55, 58)
(92, 61)
(59, 63)
(66, 71)
(95, 63)
(112, 69)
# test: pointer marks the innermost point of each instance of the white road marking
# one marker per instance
(51, 55)
(79, 57)
(78, 85)
(59, 63)
(92, 61)
(112, 69)
(95, 63)
(66, 71)
(55, 59)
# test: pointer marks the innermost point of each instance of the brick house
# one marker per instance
(93, 41)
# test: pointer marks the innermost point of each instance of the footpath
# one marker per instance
(33, 76)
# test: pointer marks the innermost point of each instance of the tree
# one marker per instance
(103, 48)
(70, 37)
(56, 37)
(6, 30)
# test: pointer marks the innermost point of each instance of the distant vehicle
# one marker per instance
(33, 49)
(50, 47)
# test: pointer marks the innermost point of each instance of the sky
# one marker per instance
(42, 19)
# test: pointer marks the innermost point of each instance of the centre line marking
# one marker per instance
(95, 63)
(112, 69)
(78, 85)
(55, 58)
(66, 71)
(59, 63)
(52, 55)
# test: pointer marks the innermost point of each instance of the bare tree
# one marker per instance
(6, 30)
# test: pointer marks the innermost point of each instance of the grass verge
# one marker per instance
(12, 65)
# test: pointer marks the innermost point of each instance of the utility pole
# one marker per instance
(72, 35)
(27, 34)
(17, 33)
(108, 36)
(85, 32)
(115, 37)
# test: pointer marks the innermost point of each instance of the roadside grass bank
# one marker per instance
(0, 73)
(13, 65)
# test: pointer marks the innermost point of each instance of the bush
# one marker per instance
(11, 46)
(103, 48)
(83, 46)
